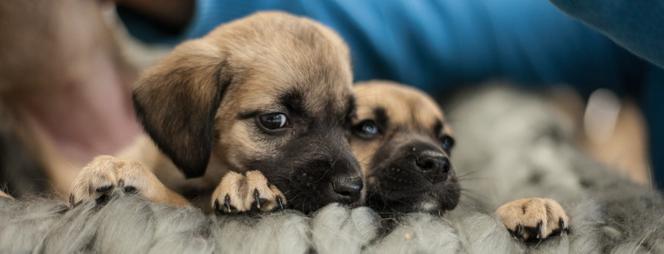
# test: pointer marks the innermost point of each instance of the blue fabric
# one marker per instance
(652, 104)
(638, 25)
(439, 44)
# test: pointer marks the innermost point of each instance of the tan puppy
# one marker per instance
(4, 195)
(258, 110)
(403, 143)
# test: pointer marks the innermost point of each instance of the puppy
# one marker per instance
(258, 110)
(5, 195)
(403, 143)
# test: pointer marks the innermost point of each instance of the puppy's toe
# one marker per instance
(533, 219)
(95, 181)
(263, 196)
(229, 195)
(5, 195)
(280, 199)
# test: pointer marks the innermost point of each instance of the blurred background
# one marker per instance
(67, 68)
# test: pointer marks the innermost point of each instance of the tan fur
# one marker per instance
(277, 66)
(231, 186)
(543, 214)
(241, 191)
(257, 59)
(105, 173)
(5, 195)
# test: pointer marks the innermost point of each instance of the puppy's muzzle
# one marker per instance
(323, 171)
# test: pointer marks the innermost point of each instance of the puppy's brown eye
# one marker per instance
(447, 142)
(366, 129)
(273, 121)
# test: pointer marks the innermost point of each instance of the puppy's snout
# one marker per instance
(429, 161)
(347, 189)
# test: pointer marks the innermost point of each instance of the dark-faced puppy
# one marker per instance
(403, 143)
(260, 108)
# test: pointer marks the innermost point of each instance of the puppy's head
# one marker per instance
(270, 92)
(403, 144)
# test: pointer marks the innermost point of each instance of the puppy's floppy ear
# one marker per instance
(177, 100)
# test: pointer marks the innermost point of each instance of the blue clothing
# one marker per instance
(636, 25)
(439, 44)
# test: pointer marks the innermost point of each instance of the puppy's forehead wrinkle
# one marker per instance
(381, 117)
(351, 111)
(293, 101)
(438, 127)
(295, 87)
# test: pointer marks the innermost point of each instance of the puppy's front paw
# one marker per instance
(238, 193)
(533, 219)
(105, 173)
(5, 195)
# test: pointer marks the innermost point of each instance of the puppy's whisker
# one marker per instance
(471, 176)
(467, 173)
(467, 179)
(333, 163)
(466, 190)
(325, 174)
(472, 196)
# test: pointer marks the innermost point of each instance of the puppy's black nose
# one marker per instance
(346, 189)
(431, 161)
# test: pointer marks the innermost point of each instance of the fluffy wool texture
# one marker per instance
(511, 145)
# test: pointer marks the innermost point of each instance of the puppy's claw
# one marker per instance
(72, 201)
(280, 200)
(227, 204)
(538, 231)
(280, 203)
(102, 199)
(516, 232)
(130, 190)
(257, 199)
(562, 228)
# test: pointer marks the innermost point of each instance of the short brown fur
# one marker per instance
(411, 111)
(193, 104)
